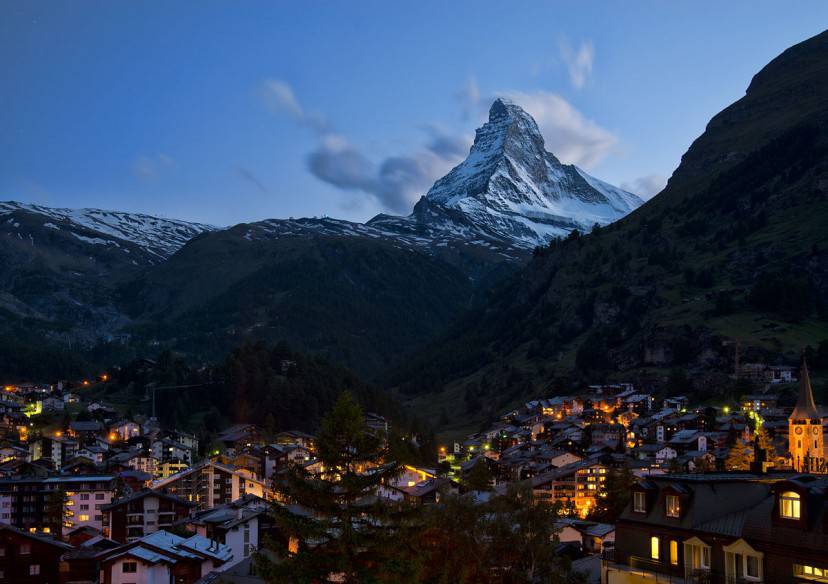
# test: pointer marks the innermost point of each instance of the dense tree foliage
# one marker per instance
(618, 484)
(334, 529)
(479, 477)
(739, 457)
(272, 386)
(27, 359)
(342, 530)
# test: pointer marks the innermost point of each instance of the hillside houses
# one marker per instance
(123, 492)
(210, 484)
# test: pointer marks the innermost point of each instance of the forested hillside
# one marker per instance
(734, 250)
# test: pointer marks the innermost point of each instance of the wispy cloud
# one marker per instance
(148, 167)
(447, 145)
(469, 97)
(568, 134)
(247, 175)
(646, 187)
(279, 97)
(578, 61)
(395, 182)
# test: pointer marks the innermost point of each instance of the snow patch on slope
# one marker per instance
(159, 237)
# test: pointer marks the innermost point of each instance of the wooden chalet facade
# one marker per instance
(722, 529)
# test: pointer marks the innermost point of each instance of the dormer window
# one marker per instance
(743, 563)
(790, 505)
(673, 506)
(639, 501)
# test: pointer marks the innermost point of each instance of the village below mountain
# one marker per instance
(533, 377)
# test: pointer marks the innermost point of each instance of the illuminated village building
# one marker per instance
(57, 503)
(209, 484)
(722, 528)
(805, 433)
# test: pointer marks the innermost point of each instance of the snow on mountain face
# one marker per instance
(510, 188)
(508, 196)
(159, 237)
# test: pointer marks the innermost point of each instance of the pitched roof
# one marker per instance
(40, 538)
(805, 408)
(163, 546)
(146, 493)
(191, 469)
(207, 547)
(719, 502)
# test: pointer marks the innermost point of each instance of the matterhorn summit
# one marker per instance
(511, 189)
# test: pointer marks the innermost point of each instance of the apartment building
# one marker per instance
(55, 504)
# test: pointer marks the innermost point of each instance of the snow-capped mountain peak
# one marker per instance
(511, 189)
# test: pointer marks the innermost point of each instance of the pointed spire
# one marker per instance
(805, 408)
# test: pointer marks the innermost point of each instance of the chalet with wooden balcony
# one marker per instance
(722, 528)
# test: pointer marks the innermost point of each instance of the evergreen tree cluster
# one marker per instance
(274, 387)
(333, 527)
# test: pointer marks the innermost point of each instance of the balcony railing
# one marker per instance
(659, 572)
(698, 576)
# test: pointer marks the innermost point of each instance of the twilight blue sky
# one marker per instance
(236, 111)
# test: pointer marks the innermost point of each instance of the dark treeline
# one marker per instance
(23, 359)
(269, 385)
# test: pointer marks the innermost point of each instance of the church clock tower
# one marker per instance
(805, 440)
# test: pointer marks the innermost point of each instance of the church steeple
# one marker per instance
(805, 408)
(805, 439)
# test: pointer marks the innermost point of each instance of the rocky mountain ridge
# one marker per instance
(361, 293)
(158, 237)
(510, 189)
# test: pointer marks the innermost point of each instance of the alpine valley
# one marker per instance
(728, 264)
(515, 275)
(362, 294)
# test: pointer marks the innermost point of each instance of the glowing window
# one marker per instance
(674, 552)
(790, 505)
(654, 545)
(811, 573)
(673, 506)
(639, 502)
